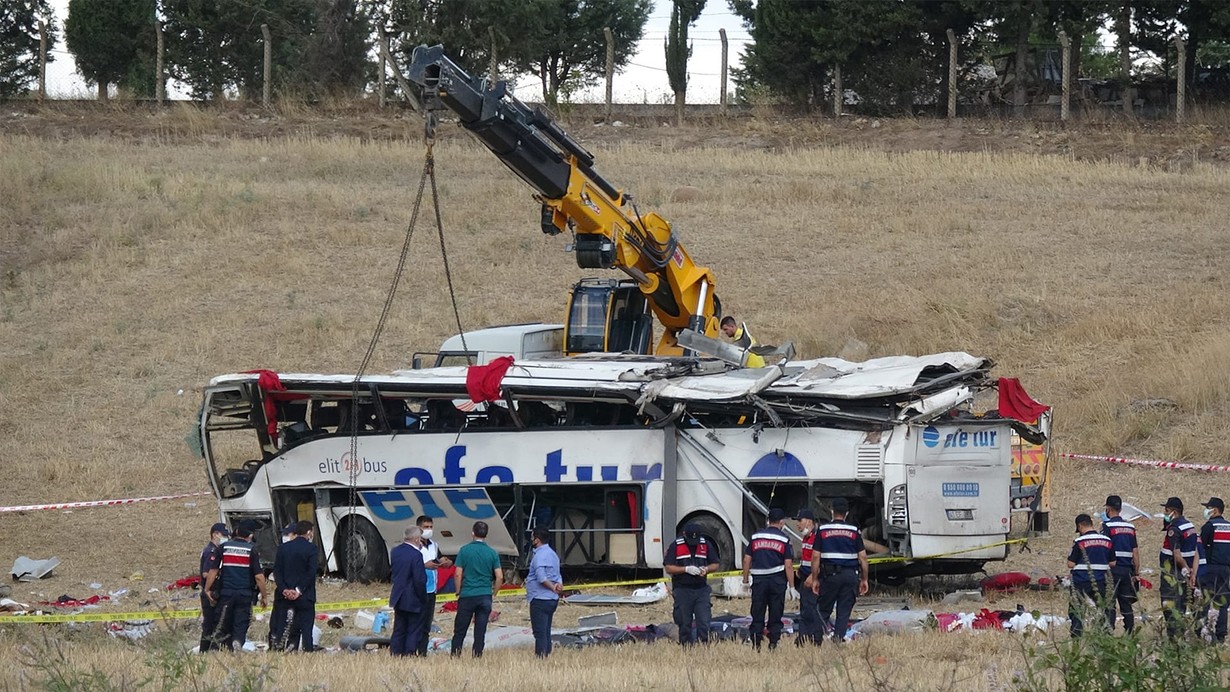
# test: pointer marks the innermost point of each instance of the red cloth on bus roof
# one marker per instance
(1015, 403)
(483, 381)
(268, 381)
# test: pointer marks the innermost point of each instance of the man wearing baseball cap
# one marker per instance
(839, 565)
(1125, 574)
(1178, 562)
(809, 629)
(1214, 579)
(241, 578)
(1091, 559)
(211, 558)
(768, 567)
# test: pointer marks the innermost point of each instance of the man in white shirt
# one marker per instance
(432, 561)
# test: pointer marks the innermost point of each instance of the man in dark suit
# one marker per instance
(409, 595)
(294, 570)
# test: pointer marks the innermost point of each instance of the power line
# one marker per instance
(663, 69)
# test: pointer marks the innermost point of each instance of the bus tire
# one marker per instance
(715, 530)
(357, 536)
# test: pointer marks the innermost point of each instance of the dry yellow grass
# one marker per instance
(131, 271)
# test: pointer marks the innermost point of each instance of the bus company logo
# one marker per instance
(931, 436)
(351, 467)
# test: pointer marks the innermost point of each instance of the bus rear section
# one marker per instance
(955, 503)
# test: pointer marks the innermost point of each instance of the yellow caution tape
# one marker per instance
(190, 613)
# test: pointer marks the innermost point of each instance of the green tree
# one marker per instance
(780, 60)
(216, 44)
(335, 55)
(568, 43)
(466, 28)
(19, 43)
(684, 14)
(110, 39)
(880, 47)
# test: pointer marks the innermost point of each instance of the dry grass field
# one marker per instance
(134, 267)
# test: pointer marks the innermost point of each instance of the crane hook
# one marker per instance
(429, 128)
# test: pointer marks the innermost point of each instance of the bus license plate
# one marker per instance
(960, 514)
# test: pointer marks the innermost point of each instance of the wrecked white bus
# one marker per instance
(614, 453)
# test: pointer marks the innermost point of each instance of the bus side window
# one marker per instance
(536, 414)
(443, 416)
(325, 419)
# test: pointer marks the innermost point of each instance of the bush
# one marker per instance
(1144, 661)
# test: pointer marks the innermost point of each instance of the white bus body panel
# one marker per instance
(958, 490)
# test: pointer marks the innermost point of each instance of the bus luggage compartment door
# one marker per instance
(958, 491)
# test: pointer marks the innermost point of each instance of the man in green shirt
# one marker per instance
(479, 577)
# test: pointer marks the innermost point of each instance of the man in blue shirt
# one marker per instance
(1091, 559)
(1178, 561)
(1122, 535)
(767, 566)
(242, 578)
(543, 586)
(1214, 578)
(838, 568)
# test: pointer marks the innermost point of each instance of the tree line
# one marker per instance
(892, 53)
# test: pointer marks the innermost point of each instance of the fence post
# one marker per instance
(1123, 30)
(384, 49)
(725, 63)
(268, 65)
(160, 86)
(1065, 102)
(1180, 104)
(952, 74)
(610, 70)
(839, 96)
(42, 60)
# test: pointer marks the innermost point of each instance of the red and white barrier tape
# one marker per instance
(1180, 465)
(97, 503)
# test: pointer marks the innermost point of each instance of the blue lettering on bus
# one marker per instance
(494, 474)
(453, 470)
(555, 471)
(650, 472)
(430, 508)
(389, 506)
(413, 474)
(980, 438)
(555, 468)
(461, 499)
(396, 505)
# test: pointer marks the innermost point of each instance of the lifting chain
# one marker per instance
(429, 173)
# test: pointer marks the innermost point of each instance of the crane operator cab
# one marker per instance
(608, 316)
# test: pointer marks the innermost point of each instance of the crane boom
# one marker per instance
(610, 233)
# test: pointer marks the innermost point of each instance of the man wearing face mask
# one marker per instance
(211, 559)
(1124, 574)
(1178, 563)
(432, 561)
(1214, 580)
(809, 611)
(688, 560)
(543, 587)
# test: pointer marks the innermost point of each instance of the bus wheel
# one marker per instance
(715, 529)
(358, 539)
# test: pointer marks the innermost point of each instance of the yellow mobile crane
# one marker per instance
(609, 232)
